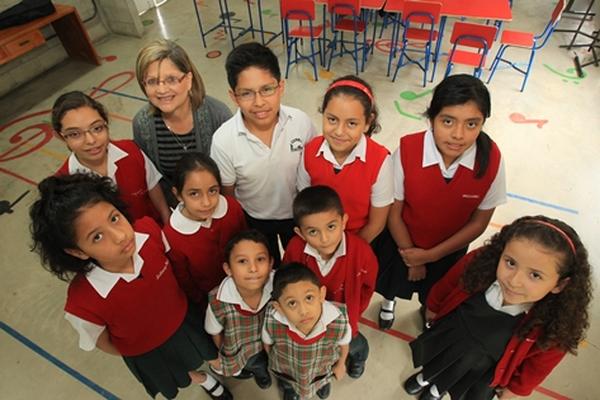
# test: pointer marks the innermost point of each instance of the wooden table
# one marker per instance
(18, 40)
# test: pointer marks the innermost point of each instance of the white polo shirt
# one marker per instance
(382, 190)
(264, 177)
(495, 195)
(329, 314)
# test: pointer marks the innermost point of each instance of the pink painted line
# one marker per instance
(26, 180)
(407, 338)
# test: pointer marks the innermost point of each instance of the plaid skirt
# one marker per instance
(165, 369)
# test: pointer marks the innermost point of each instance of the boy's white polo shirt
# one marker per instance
(264, 177)
(329, 313)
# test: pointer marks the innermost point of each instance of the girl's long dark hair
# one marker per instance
(562, 317)
(460, 89)
(53, 216)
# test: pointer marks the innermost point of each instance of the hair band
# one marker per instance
(557, 229)
(355, 85)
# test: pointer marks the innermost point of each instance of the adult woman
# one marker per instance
(179, 117)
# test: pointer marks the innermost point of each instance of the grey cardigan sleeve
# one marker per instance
(144, 133)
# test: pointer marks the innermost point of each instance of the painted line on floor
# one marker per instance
(129, 96)
(542, 203)
(37, 349)
(407, 338)
(26, 180)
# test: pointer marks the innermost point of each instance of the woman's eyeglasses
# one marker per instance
(170, 81)
(74, 134)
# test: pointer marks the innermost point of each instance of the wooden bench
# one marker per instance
(18, 40)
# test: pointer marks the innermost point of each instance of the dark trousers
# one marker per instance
(258, 365)
(359, 350)
(392, 278)
(274, 229)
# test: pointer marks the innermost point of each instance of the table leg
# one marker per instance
(75, 39)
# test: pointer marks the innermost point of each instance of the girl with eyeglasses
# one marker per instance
(179, 117)
(82, 123)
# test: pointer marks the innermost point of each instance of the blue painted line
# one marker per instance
(129, 96)
(542, 203)
(86, 381)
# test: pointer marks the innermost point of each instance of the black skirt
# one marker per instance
(165, 369)
(460, 352)
(392, 278)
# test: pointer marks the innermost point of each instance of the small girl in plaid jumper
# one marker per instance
(236, 308)
(307, 338)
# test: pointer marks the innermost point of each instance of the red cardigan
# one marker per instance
(523, 365)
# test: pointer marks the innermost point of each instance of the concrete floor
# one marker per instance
(551, 170)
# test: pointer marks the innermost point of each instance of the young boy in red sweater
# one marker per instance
(343, 262)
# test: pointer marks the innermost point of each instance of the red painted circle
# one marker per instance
(213, 54)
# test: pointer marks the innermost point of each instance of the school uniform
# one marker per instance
(145, 314)
(518, 363)
(349, 276)
(303, 363)
(133, 173)
(228, 314)
(437, 203)
(264, 176)
(197, 247)
(362, 181)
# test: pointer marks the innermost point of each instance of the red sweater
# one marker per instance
(524, 365)
(198, 258)
(130, 178)
(139, 315)
(353, 183)
(351, 281)
(433, 209)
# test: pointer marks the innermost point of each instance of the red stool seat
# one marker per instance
(517, 38)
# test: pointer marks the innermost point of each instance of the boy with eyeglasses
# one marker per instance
(258, 150)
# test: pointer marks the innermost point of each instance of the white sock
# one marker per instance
(422, 382)
(388, 305)
(209, 383)
(434, 391)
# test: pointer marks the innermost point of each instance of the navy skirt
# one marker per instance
(165, 369)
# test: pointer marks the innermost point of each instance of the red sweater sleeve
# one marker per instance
(448, 284)
(533, 370)
(369, 268)
(294, 251)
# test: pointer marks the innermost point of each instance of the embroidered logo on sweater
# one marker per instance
(296, 144)
(162, 271)
(470, 196)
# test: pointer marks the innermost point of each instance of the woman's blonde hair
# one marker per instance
(160, 50)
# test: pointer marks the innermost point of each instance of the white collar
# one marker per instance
(103, 281)
(240, 125)
(329, 314)
(228, 293)
(187, 226)
(325, 266)
(114, 154)
(494, 297)
(359, 151)
(432, 156)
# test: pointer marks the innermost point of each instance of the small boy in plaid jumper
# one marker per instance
(343, 262)
(236, 309)
(306, 337)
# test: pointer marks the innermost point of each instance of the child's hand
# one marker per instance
(416, 273)
(339, 370)
(415, 256)
(504, 393)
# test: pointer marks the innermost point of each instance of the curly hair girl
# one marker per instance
(563, 316)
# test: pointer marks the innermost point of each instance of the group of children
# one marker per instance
(352, 219)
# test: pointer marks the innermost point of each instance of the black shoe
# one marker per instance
(356, 369)
(385, 323)
(244, 374)
(411, 386)
(263, 382)
(226, 395)
(289, 394)
(324, 392)
(426, 395)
